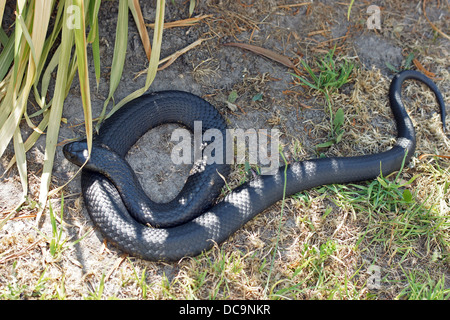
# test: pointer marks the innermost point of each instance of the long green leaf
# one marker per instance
(6, 57)
(154, 59)
(27, 37)
(12, 107)
(31, 140)
(3, 37)
(93, 37)
(96, 56)
(19, 151)
(46, 77)
(82, 63)
(191, 7)
(349, 9)
(67, 39)
(9, 127)
(48, 46)
(120, 51)
(33, 137)
(32, 18)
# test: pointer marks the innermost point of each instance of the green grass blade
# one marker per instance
(9, 127)
(96, 56)
(83, 75)
(46, 77)
(154, 59)
(18, 100)
(12, 108)
(6, 56)
(48, 46)
(40, 21)
(56, 110)
(19, 151)
(94, 37)
(3, 38)
(191, 7)
(27, 38)
(119, 53)
(349, 9)
(31, 140)
(6, 104)
(78, 63)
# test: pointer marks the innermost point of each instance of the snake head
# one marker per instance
(76, 152)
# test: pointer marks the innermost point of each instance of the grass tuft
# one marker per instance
(331, 77)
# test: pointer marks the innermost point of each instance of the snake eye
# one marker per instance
(67, 151)
(76, 152)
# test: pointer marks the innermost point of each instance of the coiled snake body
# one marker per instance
(189, 225)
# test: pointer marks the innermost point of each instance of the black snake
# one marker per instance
(190, 224)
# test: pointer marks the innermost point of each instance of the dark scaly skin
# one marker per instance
(130, 123)
(217, 223)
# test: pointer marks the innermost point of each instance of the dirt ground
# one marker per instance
(212, 71)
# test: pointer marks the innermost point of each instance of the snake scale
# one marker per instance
(191, 223)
